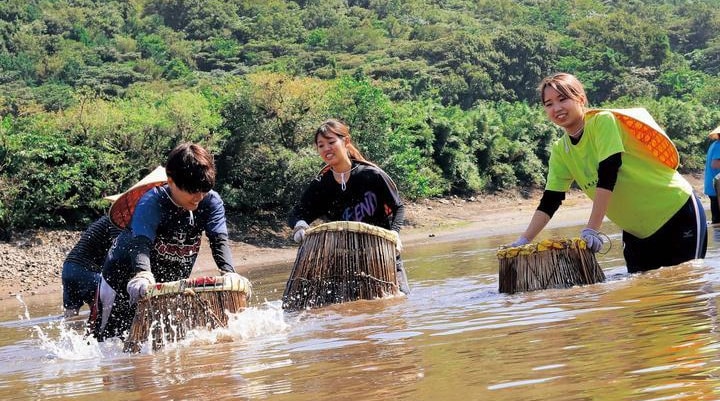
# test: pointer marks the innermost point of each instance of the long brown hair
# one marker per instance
(566, 84)
(337, 127)
(334, 126)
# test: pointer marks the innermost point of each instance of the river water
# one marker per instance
(651, 336)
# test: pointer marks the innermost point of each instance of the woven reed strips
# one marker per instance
(342, 261)
(552, 263)
(172, 309)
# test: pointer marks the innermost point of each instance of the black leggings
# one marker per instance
(714, 210)
(682, 238)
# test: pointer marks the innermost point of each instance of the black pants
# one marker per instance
(714, 210)
(682, 238)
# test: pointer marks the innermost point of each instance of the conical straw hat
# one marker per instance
(123, 205)
(641, 125)
(715, 134)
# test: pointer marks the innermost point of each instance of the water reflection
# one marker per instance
(715, 231)
(648, 336)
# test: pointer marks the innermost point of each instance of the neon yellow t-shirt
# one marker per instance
(647, 192)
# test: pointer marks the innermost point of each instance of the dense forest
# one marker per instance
(440, 93)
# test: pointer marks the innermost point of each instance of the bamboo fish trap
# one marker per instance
(171, 309)
(342, 261)
(552, 263)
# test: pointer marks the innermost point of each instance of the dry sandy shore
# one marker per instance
(31, 264)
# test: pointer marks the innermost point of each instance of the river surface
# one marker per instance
(652, 336)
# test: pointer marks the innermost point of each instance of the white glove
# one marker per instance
(299, 231)
(237, 282)
(398, 243)
(138, 286)
(520, 242)
(592, 238)
(232, 278)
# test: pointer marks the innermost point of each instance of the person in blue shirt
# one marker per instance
(161, 240)
(712, 169)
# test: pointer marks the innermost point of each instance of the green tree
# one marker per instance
(366, 110)
(199, 20)
(269, 155)
(48, 182)
(411, 163)
(695, 24)
(453, 150)
(523, 57)
(515, 141)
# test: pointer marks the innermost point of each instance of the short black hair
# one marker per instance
(191, 167)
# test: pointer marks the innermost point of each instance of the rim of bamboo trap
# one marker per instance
(169, 310)
(333, 266)
(354, 226)
(550, 263)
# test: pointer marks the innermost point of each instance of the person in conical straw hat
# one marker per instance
(627, 165)
(712, 172)
(81, 268)
(163, 222)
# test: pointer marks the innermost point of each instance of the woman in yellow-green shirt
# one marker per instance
(624, 162)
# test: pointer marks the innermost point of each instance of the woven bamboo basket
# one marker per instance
(342, 261)
(170, 310)
(552, 263)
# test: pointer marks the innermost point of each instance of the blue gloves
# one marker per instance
(592, 238)
(520, 242)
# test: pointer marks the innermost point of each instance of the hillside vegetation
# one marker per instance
(440, 93)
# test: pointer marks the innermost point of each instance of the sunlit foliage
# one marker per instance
(441, 94)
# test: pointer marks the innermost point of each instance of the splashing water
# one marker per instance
(69, 345)
(257, 322)
(27, 313)
(254, 322)
(65, 340)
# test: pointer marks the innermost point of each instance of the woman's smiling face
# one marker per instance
(331, 149)
(566, 112)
